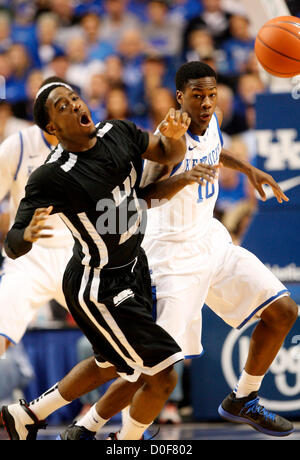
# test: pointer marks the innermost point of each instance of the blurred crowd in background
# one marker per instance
(122, 56)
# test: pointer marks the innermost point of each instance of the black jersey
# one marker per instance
(94, 193)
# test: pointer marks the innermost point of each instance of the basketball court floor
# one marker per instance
(185, 431)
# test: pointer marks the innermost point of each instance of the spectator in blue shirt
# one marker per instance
(162, 33)
(238, 47)
(20, 63)
(131, 50)
(46, 33)
(97, 48)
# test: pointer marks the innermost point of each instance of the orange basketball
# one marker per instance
(277, 46)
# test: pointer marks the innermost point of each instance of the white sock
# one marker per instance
(247, 383)
(125, 414)
(48, 403)
(92, 420)
(132, 430)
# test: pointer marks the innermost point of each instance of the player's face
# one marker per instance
(199, 100)
(70, 119)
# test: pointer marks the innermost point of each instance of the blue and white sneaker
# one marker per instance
(248, 410)
(76, 433)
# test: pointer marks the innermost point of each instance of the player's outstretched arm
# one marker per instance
(156, 193)
(257, 177)
(168, 147)
(19, 240)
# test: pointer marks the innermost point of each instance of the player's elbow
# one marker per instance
(8, 251)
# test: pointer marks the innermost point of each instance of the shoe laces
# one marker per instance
(253, 406)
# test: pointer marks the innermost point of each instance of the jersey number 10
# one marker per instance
(209, 191)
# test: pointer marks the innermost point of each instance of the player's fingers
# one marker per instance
(36, 220)
(38, 228)
(170, 115)
(177, 116)
(211, 171)
(261, 191)
(279, 193)
(40, 211)
(184, 117)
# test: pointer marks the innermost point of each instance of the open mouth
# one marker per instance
(204, 116)
(85, 120)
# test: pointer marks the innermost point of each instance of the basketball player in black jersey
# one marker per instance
(91, 178)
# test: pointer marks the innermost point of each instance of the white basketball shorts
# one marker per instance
(233, 282)
(26, 284)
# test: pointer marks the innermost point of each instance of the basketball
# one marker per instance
(277, 46)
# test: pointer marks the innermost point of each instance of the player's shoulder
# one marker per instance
(116, 127)
(219, 115)
(46, 174)
(11, 143)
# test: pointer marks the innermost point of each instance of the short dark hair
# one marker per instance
(40, 111)
(191, 71)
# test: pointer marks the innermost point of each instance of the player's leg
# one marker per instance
(147, 403)
(146, 397)
(23, 420)
(16, 310)
(252, 291)
(25, 286)
(178, 300)
(145, 350)
(275, 323)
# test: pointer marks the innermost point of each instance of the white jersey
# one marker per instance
(189, 214)
(20, 154)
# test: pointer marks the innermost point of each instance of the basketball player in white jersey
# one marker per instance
(30, 281)
(193, 260)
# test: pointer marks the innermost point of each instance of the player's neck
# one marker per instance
(52, 140)
(197, 130)
(76, 147)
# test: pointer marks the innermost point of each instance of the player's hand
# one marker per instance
(258, 178)
(37, 224)
(175, 124)
(202, 173)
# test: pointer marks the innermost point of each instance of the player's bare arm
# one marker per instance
(256, 177)
(154, 172)
(37, 225)
(165, 189)
(168, 147)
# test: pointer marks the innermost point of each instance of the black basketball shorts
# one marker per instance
(113, 308)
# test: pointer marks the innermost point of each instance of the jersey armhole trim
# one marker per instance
(175, 169)
(8, 338)
(219, 130)
(20, 157)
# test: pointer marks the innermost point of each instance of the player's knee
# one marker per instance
(165, 381)
(282, 314)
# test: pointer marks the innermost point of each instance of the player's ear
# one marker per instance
(50, 128)
(179, 96)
